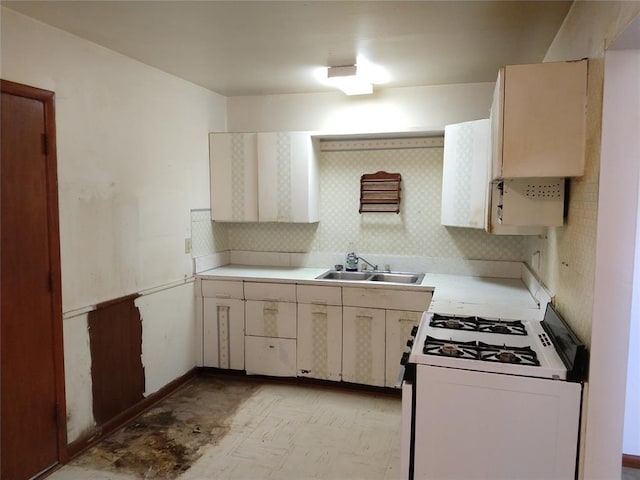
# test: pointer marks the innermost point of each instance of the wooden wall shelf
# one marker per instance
(380, 192)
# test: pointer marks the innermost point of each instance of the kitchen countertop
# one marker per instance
(453, 294)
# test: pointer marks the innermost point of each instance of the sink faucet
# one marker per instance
(375, 267)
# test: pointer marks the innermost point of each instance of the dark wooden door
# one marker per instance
(31, 342)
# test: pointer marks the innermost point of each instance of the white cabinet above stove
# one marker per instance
(520, 206)
(538, 120)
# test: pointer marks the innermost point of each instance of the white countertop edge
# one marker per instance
(297, 275)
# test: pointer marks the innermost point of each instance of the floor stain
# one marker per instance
(165, 441)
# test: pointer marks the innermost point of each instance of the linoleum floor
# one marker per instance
(270, 431)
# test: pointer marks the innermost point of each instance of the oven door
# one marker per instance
(477, 425)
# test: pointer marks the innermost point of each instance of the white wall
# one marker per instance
(168, 327)
(616, 241)
(391, 110)
(132, 159)
(132, 145)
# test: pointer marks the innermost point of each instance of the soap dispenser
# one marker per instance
(351, 263)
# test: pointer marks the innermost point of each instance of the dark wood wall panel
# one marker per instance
(115, 334)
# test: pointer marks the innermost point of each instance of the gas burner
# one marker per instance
(453, 322)
(506, 354)
(450, 348)
(508, 327)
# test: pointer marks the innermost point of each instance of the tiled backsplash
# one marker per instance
(415, 231)
(206, 237)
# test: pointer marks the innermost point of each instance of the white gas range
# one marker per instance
(491, 398)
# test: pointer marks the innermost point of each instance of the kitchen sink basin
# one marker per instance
(392, 277)
(339, 275)
(382, 277)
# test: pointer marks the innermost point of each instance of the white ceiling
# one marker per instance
(273, 47)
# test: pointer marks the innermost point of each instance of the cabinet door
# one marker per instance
(543, 120)
(465, 174)
(275, 357)
(363, 345)
(223, 343)
(271, 319)
(234, 177)
(319, 341)
(288, 179)
(398, 329)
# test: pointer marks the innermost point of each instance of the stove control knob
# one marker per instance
(405, 358)
(410, 342)
(414, 330)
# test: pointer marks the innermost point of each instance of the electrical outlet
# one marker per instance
(187, 245)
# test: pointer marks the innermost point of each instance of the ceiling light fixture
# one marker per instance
(349, 79)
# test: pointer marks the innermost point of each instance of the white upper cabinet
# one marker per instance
(465, 174)
(288, 178)
(233, 159)
(538, 120)
(265, 177)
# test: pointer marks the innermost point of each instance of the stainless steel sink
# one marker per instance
(383, 277)
(339, 275)
(397, 277)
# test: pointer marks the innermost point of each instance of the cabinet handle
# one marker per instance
(227, 296)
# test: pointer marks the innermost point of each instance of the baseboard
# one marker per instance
(395, 392)
(631, 461)
(79, 446)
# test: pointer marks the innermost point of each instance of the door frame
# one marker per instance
(48, 100)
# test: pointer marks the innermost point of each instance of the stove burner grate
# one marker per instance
(507, 354)
(481, 351)
(478, 324)
(451, 348)
(453, 322)
(508, 327)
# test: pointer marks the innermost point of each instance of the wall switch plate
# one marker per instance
(187, 245)
(535, 261)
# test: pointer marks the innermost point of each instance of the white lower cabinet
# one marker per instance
(319, 341)
(319, 332)
(363, 345)
(398, 328)
(271, 330)
(223, 324)
(350, 334)
(376, 325)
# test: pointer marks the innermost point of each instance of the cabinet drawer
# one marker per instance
(270, 356)
(270, 292)
(319, 295)
(271, 319)
(222, 289)
(388, 299)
